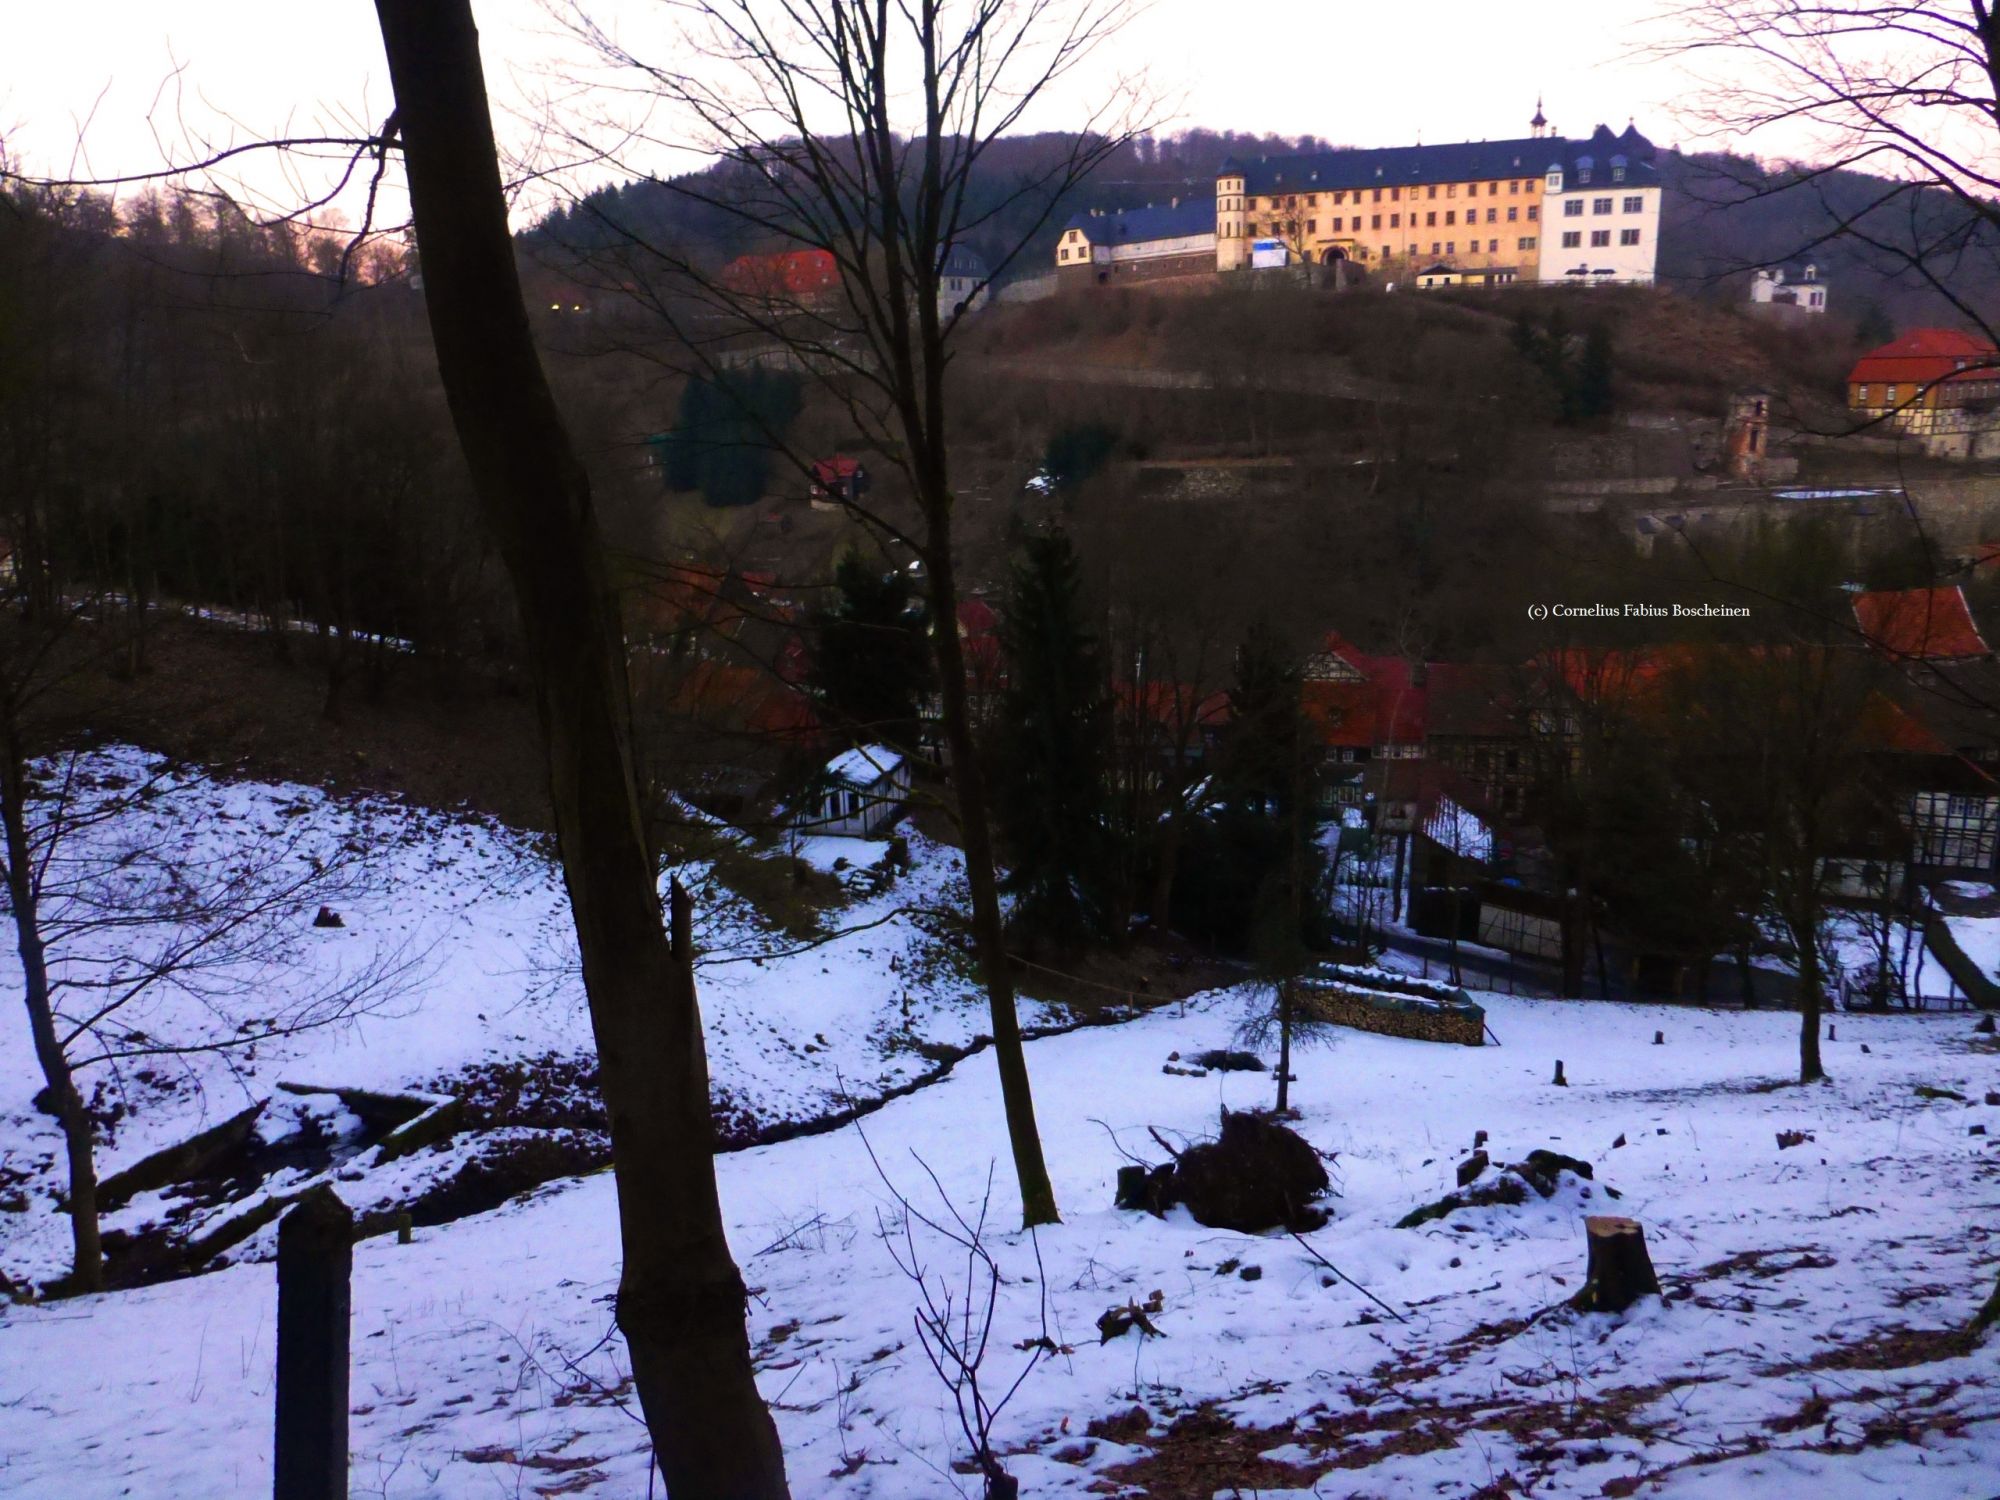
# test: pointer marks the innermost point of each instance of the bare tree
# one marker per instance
(681, 1297)
(1906, 90)
(141, 942)
(855, 130)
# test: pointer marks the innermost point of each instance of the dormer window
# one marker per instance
(1555, 180)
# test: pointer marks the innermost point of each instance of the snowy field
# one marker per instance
(1790, 1358)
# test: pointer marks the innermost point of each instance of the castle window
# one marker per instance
(1583, 174)
(1378, 195)
(1514, 187)
(1492, 189)
(1436, 248)
(1571, 239)
(1312, 227)
(1635, 204)
(1534, 212)
(1450, 217)
(1600, 238)
(1451, 190)
(1395, 195)
(1572, 208)
(1395, 221)
(1600, 205)
(1492, 247)
(1432, 191)
(1512, 213)
(1492, 215)
(1526, 242)
(1628, 236)
(1889, 395)
(1617, 174)
(1431, 219)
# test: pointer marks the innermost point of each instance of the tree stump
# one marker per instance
(1659, 1039)
(1471, 1167)
(1620, 1271)
(1559, 1081)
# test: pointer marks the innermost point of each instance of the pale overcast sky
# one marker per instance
(1361, 75)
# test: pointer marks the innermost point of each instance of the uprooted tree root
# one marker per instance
(1256, 1175)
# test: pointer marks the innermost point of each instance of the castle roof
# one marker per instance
(1462, 161)
(1164, 221)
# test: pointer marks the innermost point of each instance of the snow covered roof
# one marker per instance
(864, 766)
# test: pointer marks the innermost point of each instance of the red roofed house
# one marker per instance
(836, 481)
(790, 275)
(1920, 624)
(1936, 384)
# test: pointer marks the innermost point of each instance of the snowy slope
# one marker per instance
(481, 1366)
(476, 913)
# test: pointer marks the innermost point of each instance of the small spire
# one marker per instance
(1538, 124)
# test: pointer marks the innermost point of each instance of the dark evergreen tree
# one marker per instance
(1589, 393)
(1252, 865)
(725, 433)
(871, 666)
(1052, 767)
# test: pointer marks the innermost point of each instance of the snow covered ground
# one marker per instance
(796, 1024)
(1790, 1357)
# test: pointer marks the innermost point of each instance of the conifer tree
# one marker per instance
(1054, 754)
(872, 666)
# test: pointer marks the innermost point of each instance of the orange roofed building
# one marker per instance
(787, 276)
(1930, 624)
(1937, 385)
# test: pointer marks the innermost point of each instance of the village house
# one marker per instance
(1788, 290)
(1938, 386)
(803, 277)
(837, 481)
(963, 282)
(860, 795)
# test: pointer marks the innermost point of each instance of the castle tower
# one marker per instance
(1539, 126)
(1231, 243)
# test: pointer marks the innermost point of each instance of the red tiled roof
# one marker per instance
(789, 273)
(828, 471)
(1387, 706)
(1926, 356)
(1926, 624)
(1887, 726)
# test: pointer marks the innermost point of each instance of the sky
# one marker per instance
(148, 82)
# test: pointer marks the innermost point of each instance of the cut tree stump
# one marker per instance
(1620, 1271)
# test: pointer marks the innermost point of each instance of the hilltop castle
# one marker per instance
(1540, 208)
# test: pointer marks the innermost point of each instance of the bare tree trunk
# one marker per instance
(1284, 1046)
(1038, 1196)
(87, 1249)
(680, 1297)
(1806, 935)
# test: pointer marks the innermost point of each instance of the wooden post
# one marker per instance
(315, 1263)
(1559, 1081)
(1659, 1039)
(1619, 1271)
